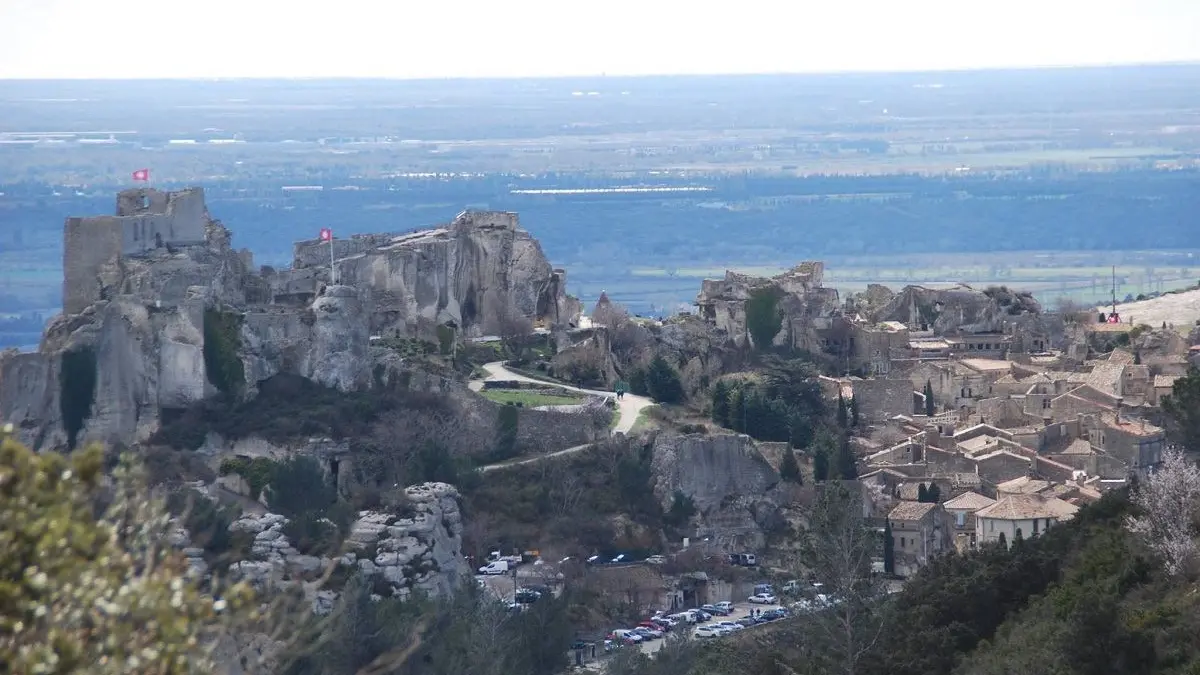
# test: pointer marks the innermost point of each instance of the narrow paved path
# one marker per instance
(628, 409)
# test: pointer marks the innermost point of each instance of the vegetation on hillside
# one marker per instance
(87, 583)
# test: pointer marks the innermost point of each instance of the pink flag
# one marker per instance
(326, 234)
(142, 174)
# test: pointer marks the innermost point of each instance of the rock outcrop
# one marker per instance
(147, 290)
(960, 309)
(728, 480)
(804, 303)
(420, 551)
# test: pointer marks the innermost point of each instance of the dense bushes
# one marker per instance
(763, 316)
(288, 407)
(222, 343)
(662, 382)
(76, 390)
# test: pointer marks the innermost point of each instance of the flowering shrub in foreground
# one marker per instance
(85, 590)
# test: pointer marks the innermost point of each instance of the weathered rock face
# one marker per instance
(475, 273)
(137, 286)
(958, 309)
(418, 552)
(802, 300)
(728, 480)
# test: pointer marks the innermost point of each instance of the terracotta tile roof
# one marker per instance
(1121, 356)
(969, 501)
(911, 511)
(1134, 427)
(979, 444)
(1028, 507)
(1165, 381)
(987, 365)
(1023, 486)
(1105, 377)
(1079, 446)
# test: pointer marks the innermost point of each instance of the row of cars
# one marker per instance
(719, 628)
(661, 623)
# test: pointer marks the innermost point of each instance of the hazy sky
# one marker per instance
(486, 38)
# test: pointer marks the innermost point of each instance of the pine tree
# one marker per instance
(922, 493)
(720, 403)
(821, 465)
(789, 468)
(889, 549)
(843, 415)
(929, 407)
(662, 380)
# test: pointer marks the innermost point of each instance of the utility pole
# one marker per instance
(1114, 289)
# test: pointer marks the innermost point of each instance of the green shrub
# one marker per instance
(764, 319)
(662, 381)
(507, 423)
(222, 343)
(77, 390)
(298, 486)
(313, 534)
(256, 471)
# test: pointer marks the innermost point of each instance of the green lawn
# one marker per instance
(530, 399)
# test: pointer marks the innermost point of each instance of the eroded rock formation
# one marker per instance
(728, 480)
(160, 311)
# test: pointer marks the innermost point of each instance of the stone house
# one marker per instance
(1163, 384)
(961, 510)
(879, 399)
(1136, 442)
(1023, 515)
(983, 345)
(919, 532)
(874, 346)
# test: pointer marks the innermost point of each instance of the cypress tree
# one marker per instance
(929, 407)
(847, 465)
(889, 549)
(922, 493)
(821, 465)
(843, 415)
(789, 468)
(853, 410)
(720, 403)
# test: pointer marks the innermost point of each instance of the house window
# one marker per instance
(901, 542)
(961, 518)
(1035, 527)
(991, 526)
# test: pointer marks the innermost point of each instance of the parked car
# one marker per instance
(527, 596)
(648, 633)
(714, 610)
(763, 599)
(656, 560)
(791, 588)
(705, 631)
(494, 567)
(726, 606)
(731, 626)
(700, 615)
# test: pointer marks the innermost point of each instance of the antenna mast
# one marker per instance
(1114, 290)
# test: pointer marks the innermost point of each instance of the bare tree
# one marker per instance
(839, 548)
(583, 365)
(1169, 499)
(627, 339)
(514, 328)
(1072, 312)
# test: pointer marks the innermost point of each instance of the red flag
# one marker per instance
(142, 174)
(326, 234)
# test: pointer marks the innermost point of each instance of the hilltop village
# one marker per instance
(466, 413)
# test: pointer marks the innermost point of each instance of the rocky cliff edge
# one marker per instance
(160, 311)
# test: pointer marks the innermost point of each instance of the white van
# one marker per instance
(495, 567)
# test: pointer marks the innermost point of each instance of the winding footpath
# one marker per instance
(628, 409)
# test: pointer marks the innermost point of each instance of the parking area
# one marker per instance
(741, 611)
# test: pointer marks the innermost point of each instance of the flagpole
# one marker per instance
(332, 268)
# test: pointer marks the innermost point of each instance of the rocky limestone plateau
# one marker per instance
(146, 290)
(420, 551)
(731, 484)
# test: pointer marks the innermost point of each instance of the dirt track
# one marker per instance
(1180, 309)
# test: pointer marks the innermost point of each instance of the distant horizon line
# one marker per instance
(604, 75)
